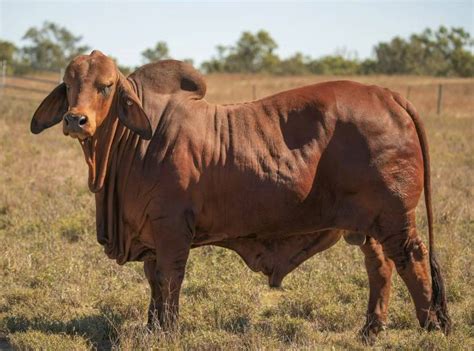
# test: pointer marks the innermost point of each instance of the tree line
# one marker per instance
(441, 52)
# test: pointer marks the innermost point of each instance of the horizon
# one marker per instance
(194, 29)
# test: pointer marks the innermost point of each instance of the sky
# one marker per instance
(192, 29)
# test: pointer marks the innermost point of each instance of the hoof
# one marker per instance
(432, 324)
(153, 324)
(274, 280)
(357, 239)
(441, 322)
(371, 330)
(275, 286)
(150, 327)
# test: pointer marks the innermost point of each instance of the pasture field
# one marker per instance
(58, 290)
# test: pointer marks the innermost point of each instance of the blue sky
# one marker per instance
(192, 29)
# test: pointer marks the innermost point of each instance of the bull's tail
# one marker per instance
(438, 297)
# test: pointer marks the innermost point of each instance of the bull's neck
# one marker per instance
(117, 147)
(114, 144)
(109, 143)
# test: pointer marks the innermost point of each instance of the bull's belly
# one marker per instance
(269, 212)
(279, 222)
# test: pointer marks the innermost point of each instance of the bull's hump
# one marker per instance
(171, 77)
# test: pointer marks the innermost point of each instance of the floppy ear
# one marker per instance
(130, 110)
(51, 110)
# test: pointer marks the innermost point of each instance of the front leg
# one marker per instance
(165, 274)
(156, 301)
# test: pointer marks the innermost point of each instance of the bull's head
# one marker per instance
(93, 95)
(92, 87)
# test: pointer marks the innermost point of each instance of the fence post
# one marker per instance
(408, 92)
(4, 74)
(61, 74)
(254, 92)
(440, 98)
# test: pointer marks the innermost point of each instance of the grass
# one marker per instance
(59, 291)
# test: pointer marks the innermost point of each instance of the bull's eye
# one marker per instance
(105, 89)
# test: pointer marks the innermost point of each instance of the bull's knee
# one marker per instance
(403, 251)
(417, 250)
(410, 257)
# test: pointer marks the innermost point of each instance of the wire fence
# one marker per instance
(454, 97)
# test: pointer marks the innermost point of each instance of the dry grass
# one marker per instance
(59, 291)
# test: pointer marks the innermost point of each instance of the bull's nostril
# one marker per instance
(82, 120)
(66, 121)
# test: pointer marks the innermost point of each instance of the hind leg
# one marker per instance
(402, 244)
(379, 269)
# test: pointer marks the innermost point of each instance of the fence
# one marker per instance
(37, 86)
(439, 97)
(430, 96)
(452, 97)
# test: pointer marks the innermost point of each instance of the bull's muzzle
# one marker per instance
(75, 125)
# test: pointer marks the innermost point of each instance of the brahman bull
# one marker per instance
(276, 180)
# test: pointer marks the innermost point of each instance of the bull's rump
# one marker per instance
(332, 155)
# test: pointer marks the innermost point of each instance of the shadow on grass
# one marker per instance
(4, 344)
(98, 329)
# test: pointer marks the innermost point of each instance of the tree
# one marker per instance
(391, 57)
(252, 53)
(336, 65)
(294, 65)
(457, 45)
(216, 64)
(8, 51)
(441, 53)
(159, 52)
(51, 46)
(368, 66)
(189, 61)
